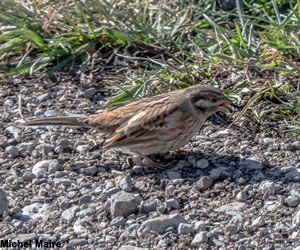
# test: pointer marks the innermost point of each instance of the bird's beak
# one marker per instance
(224, 107)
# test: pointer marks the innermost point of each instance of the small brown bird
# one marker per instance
(151, 125)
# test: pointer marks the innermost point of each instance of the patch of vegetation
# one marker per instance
(252, 52)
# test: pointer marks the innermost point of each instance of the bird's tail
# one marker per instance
(57, 121)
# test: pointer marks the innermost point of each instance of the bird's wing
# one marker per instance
(156, 115)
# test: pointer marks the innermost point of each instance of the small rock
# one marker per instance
(296, 220)
(26, 147)
(216, 172)
(89, 171)
(28, 176)
(202, 164)
(125, 183)
(118, 221)
(204, 183)
(43, 97)
(15, 132)
(293, 175)
(199, 239)
(77, 242)
(63, 202)
(84, 200)
(270, 187)
(26, 237)
(89, 93)
(172, 175)
(45, 166)
(4, 142)
(63, 181)
(242, 196)
(129, 247)
(160, 224)
(277, 236)
(172, 203)
(200, 226)
(78, 228)
(170, 190)
(292, 201)
(12, 150)
(185, 228)
(231, 229)
(251, 164)
(3, 201)
(45, 148)
(69, 213)
(77, 166)
(149, 206)
(267, 141)
(258, 222)
(50, 112)
(123, 204)
(83, 149)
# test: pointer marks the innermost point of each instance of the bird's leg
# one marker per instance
(151, 162)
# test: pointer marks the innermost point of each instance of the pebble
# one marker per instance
(83, 149)
(172, 203)
(129, 247)
(293, 175)
(202, 164)
(77, 242)
(269, 186)
(3, 201)
(173, 175)
(89, 93)
(149, 206)
(26, 147)
(45, 148)
(15, 132)
(43, 97)
(77, 166)
(200, 226)
(204, 183)
(118, 221)
(267, 141)
(125, 183)
(216, 173)
(28, 176)
(12, 150)
(258, 222)
(231, 229)
(89, 171)
(84, 200)
(185, 228)
(45, 167)
(160, 224)
(69, 213)
(251, 164)
(292, 201)
(199, 239)
(50, 112)
(242, 196)
(123, 204)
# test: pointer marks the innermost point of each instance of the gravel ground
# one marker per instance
(234, 188)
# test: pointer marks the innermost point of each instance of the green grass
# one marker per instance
(252, 52)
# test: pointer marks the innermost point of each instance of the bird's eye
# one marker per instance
(214, 100)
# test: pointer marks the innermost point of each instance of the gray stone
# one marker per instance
(43, 97)
(172, 203)
(69, 213)
(296, 220)
(77, 166)
(160, 224)
(50, 112)
(118, 221)
(63, 181)
(89, 171)
(84, 200)
(3, 201)
(15, 132)
(199, 239)
(45, 148)
(123, 204)
(12, 150)
(129, 247)
(251, 164)
(204, 183)
(45, 166)
(26, 147)
(267, 141)
(269, 187)
(26, 237)
(110, 239)
(83, 149)
(125, 183)
(293, 175)
(4, 142)
(28, 176)
(277, 236)
(242, 196)
(292, 201)
(63, 202)
(149, 206)
(89, 93)
(170, 190)
(172, 175)
(202, 164)
(200, 226)
(217, 172)
(231, 229)
(258, 222)
(77, 242)
(78, 228)
(185, 228)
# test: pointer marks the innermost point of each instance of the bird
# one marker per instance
(151, 125)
